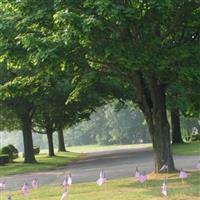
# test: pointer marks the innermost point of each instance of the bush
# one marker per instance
(36, 150)
(195, 137)
(14, 150)
(8, 151)
(11, 151)
(4, 158)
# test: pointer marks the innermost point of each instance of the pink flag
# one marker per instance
(69, 181)
(34, 183)
(102, 178)
(183, 174)
(65, 183)
(198, 165)
(2, 185)
(137, 173)
(164, 187)
(164, 168)
(64, 195)
(25, 189)
(142, 178)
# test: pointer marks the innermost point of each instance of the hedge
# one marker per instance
(11, 151)
(4, 158)
(36, 150)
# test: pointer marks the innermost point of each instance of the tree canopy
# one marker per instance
(144, 51)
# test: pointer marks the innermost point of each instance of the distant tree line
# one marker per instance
(110, 126)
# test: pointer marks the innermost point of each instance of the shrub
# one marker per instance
(195, 137)
(4, 158)
(36, 150)
(14, 150)
(8, 151)
(11, 151)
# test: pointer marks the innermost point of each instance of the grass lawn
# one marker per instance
(178, 149)
(122, 189)
(44, 163)
(187, 148)
(96, 147)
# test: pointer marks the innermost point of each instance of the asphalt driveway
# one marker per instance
(117, 164)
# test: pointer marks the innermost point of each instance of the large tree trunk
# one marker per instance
(26, 121)
(61, 142)
(49, 132)
(151, 99)
(176, 129)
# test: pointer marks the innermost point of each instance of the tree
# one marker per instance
(145, 44)
(51, 109)
(176, 103)
(17, 100)
(176, 128)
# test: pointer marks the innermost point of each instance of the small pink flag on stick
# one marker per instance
(65, 183)
(137, 173)
(143, 177)
(2, 185)
(183, 174)
(102, 178)
(164, 187)
(69, 181)
(198, 165)
(64, 195)
(25, 189)
(35, 183)
(164, 168)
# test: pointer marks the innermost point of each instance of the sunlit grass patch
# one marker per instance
(192, 148)
(96, 147)
(123, 189)
(44, 163)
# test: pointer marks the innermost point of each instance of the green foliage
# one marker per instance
(59, 60)
(4, 158)
(110, 125)
(191, 148)
(12, 147)
(36, 150)
(11, 151)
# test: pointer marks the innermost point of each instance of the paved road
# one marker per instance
(118, 163)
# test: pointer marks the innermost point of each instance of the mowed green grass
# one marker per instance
(122, 189)
(44, 163)
(192, 148)
(96, 147)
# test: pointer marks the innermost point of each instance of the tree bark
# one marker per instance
(176, 129)
(26, 121)
(61, 142)
(151, 100)
(49, 132)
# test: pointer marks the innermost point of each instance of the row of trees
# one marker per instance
(109, 125)
(105, 127)
(62, 59)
